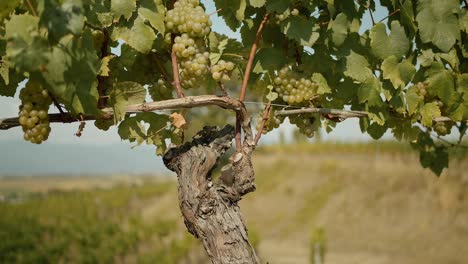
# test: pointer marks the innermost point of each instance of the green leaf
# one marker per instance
(301, 29)
(441, 83)
(232, 11)
(71, 74)
(369, 91)
(156, 19)
(340, 29)
(383, 45)
(278, 6)
(462, 85)
(407, 16)
(28, 57)
(257, 3)
(61, 18)
(426, 58)
(428, 112)
(124, 94)
(21, 27)
(139, 36)
(404, 130)
(269, 59)
(437, 22)
(123, 8)
(357, 67)
(376, 131)
(7, 6)
(413, 99)
(131, 129)
(9, 79)
(431, 156)
(399, 74)
(323, 87)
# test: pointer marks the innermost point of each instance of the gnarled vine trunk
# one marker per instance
(209, 208)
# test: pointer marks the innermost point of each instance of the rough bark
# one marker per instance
(210, 209)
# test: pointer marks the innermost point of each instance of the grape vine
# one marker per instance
(406, 70)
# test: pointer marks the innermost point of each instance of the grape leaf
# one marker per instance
(357, 67)
(426, 57)
(28, 57)
(304, 30)
(437, 22)
(430, 155)
(124, 94)
(369, 91)
(131, 129)
(440, 83)
(257, 3)
(9, 79)
(383, 45)
(61, 18)
(323, 87)
(413, 99)
(104, 69)
(7, 6)
(376, 131)
(21, 27)
(462, 85)
(428, 112)
(71, 73)
(269, 59)
(340, 29)
(407, 16)
(139, 36)
(398, 73)
(278, 6)
(123, 8)
(232, 11)
(156, 19)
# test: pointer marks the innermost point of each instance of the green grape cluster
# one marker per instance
(283, 16)
(222, 70)
(160, 91)
(443, 128)
(271, 123)
(193, 59)
(421, 89)
(188, 17)
(292, 87)
(33, 116)
(306, 123)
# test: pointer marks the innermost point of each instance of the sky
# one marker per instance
(99, 152)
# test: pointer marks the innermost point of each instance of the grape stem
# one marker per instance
(266, 114)
(223, 89)
(215, 12)
(33, 11)
(175, 70)
(81, 127)
(245, 81)
(389, 15)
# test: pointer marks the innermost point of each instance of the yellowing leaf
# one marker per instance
(429, 112)
(178, 120)
(104, 70)
(123, 8)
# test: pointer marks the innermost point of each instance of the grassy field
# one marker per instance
(365, 203)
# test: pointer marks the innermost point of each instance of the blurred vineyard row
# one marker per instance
(91, 226)
(344, 203)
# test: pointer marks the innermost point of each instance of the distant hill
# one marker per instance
(19, 158)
